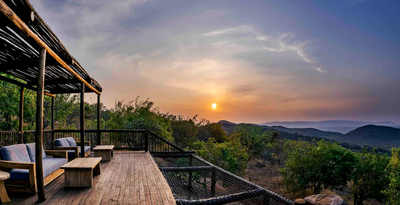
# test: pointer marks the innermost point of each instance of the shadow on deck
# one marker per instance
(129, 178)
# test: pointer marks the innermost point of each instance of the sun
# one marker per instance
(214, 106)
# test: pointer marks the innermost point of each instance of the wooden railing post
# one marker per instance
(146, 140)
(266, 200)
(98, 121)
(52, 122)
(82, 121)
(213, 181)
(190, 172)
(21, 114)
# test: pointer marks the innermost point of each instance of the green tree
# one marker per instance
(231, 156)
(370, 176)
(324, 165)
(212, 130)
(139, 115)
(9, 106)
(254, 137)
(184, 129)
(393, 191)
(66, 111)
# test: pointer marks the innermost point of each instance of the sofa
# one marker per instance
(73, 147)
(19, 161)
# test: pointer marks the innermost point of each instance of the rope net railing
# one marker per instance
(194, 180)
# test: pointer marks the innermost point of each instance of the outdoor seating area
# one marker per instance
(129, 178)
(20, 161)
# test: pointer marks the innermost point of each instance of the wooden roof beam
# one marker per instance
(24, 28)
(16, 82)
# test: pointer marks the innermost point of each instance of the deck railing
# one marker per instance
(10, 137)
(134, 139)
(192, 179)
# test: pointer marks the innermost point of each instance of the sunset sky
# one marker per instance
(257, 60)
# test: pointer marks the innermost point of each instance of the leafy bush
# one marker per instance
(370, 176)
(393, 191)
(231, 156)
(323, 166)
(139, 115)
(254, 137)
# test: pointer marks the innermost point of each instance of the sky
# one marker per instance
(258, 61)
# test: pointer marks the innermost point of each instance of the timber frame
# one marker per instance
(32, 57)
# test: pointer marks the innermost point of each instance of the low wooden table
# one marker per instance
(79, 172)
(3, 193)
(104, 151)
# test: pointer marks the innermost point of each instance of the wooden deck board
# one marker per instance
(129, 178)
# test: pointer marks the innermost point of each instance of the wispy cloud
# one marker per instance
(319, 69)
(237, 29)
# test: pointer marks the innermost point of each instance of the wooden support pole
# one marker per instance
(98, 120)
(190, 172)
(82, 122)
(266, 199)
(146, 141)
(21, 114)
(52, 121)
(213, 181)
(39, 126)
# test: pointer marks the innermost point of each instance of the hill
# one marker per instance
(308, 132)
(227, 126)
(348, 141)
(342, 126)
(373, 135)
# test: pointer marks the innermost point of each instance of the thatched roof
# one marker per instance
(20, 49)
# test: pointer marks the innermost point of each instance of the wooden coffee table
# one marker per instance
(79, 172)
(3, 193)
(104, 151)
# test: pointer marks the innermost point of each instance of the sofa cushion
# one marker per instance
(71, 141)
(32, 152)
(17, 153)
(51, 165)
(71, 153)
(19, 174)
(62, 142)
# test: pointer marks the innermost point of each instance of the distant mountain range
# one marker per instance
(308, 131)
(384, 137)
(342, 126)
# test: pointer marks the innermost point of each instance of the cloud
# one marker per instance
(319, 69)
(237, 29)
(284, 42)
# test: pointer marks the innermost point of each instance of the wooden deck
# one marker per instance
(129, 178)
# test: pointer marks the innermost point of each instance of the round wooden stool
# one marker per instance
(3, 193)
